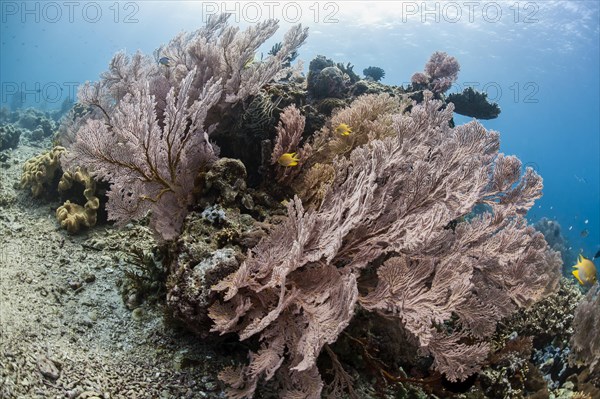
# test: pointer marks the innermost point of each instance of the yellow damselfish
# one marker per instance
(585, 271)
(343, 129)
(288, 159)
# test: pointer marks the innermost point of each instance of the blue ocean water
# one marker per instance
(538, 59)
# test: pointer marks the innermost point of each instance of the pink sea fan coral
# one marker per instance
(441, 71)
(394, 198)
(150, 165)
(147, 134)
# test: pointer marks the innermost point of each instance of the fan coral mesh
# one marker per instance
(394, 198)
(147, 133)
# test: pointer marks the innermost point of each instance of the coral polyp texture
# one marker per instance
(399, 208)
(73, 216)
(39, 171)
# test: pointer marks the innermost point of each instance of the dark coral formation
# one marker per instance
(374, 73)
(552, 232)
(325, 79)
(9, 136)
(40, 124)
(474, 104)
(202, 261)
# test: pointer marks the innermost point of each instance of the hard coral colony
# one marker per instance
(392, 214)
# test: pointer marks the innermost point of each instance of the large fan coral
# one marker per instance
(148, 132)
(401, 199)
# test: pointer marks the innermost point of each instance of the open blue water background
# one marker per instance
(539, 60)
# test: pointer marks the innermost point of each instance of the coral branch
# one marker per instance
(395, 198)
(150, 165)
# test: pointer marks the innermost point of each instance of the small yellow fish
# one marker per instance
(288, 159)
(249, 61)
(586, 271)
(343, 129)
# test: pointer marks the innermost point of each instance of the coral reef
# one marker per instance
(298, 288)
(225, 183)
(551, 230)
(549, 321)
(40, 171)
(474, 104)
(440, 72)
(325, 79)
(39, 124)
(9, 136)
(586, 339)
(374, 73)
(517, 369)
(159, 116)
(401, 225)
(210, 247)
(73, 216)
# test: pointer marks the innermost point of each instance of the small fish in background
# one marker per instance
(585, 271)
(580, 179)
(288, 159)
(586, 221)
(249, 61)
(343, 129)
(570, 228)
(597, 255)
(584, 233)
(164, 61)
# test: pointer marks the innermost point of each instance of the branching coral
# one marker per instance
(223, 52)
(369, 118)
(586, 324)
(393, 198)
(151, 165)
(148, 133)
(440, 72)
(289, 133)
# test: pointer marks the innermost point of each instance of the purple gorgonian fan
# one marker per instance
(150, 164)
